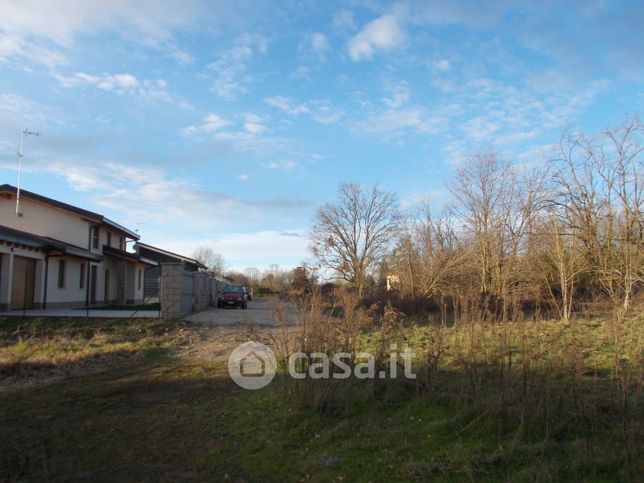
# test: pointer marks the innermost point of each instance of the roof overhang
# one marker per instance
(168, 254)
(52, 247)
(121, 228)
(122, 254)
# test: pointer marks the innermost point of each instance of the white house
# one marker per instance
(55, 255)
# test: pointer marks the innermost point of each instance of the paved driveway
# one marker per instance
(102, 314)
(259, 313)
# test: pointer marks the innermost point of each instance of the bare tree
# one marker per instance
(600, 199)
(253, 274)
(211, 259)
(353, 233)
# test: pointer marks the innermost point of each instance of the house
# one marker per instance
(56, 255)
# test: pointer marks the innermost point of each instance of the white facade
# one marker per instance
(58, 256)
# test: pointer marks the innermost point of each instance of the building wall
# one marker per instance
(41, 219)
(110, 238)
(44, 220)
(7, 252)
(134, 291)
(71, 294)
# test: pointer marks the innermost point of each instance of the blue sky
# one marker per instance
(227, 123)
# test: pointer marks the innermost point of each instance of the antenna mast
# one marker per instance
(25, 132)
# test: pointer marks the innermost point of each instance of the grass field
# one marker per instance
(154, 416)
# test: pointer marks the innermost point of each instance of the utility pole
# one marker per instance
(25, 132)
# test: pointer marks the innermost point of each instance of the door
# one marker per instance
(92, 285)
(106, 297)
(23, 282)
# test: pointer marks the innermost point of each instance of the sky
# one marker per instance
(227, 123)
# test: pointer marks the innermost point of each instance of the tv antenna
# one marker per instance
(25, 132)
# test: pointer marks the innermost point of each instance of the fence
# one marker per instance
(184, 292)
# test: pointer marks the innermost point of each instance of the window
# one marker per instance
(140, 277)
(81, 283)
(61, 273)
(109, 239)
(122, 243)
(95, 237)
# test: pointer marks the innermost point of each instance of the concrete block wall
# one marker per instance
(170, 286)
(184, 292)
(202, 291)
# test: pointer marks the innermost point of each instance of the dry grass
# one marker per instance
(42, 350)
(532, 381)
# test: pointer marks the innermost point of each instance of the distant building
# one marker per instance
(393, 282)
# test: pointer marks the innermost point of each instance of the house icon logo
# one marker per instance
(252, 365)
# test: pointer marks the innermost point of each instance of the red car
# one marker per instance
(232, 296)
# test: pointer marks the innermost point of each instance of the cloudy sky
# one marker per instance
(227, 123)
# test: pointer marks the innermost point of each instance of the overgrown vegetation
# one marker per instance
(547, 385)
(526, 400)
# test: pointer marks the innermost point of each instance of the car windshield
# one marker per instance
(233, 289)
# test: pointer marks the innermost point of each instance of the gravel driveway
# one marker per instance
(258, 314)
(216, 332)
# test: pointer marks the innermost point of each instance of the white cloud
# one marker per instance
(443, 65)
(231, 67)
(480, 128)
(286, 105)
(319, 42)
(254, 124)
(211, 123)
(516, 137)
(302, 72)
(118, 81)
(37, 29)
(325, 113)
(154, 89)
(181, 56)
(18, 109)
(399, 94)
(319, 111)
(243, 177)
(384, 33)
(13, 44)
(395, 121)
(285, 164)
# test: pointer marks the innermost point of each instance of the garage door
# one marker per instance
(22, 285)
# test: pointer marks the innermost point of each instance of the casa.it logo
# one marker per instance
(252, 365)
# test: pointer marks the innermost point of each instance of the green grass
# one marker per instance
(157, 417)
(165, 419)
(34, 349)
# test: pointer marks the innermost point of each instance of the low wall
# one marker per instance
(184, 292)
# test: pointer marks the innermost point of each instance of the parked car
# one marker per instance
(248, 293)
(232, 296)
